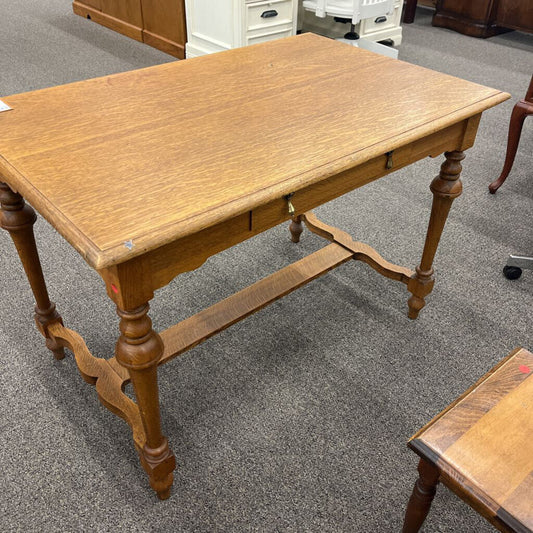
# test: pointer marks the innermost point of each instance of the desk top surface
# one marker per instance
(148, 156)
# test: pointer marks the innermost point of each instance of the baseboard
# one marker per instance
(165, 45)
(466, 26)
(108, 21)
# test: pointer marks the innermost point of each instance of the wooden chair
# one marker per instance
(409, 11)
(481, 448)
(521, 110)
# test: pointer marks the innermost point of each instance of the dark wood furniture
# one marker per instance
(410, 9)
(148, 173)
(158, 23)
(484, 18)
(481, 448)
(522, 109)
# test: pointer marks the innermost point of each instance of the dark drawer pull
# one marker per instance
(379, 20)
(268, 14)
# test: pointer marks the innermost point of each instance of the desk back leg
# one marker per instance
(296, 228)
(18, 218)
(445, 188)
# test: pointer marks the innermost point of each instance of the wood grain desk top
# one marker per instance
(152, 155)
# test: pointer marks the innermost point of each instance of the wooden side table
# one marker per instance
(481, 448)
(148, 173)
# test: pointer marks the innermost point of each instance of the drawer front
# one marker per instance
(381, 23)
(266, 14)
(260, 37)
(276, 212)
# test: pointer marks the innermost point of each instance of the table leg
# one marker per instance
(139, 349)
(520, 111)
(18, 218)
(296, 228)
(421, 497)
(445, 188)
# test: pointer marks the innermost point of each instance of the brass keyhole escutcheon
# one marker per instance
(389, 163)
(288, 197)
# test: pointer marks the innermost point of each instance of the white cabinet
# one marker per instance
(216, 25)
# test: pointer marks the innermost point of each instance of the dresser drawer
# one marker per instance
(266, 14)
(381, 23)
(273, 33)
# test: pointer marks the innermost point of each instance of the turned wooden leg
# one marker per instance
(520, 111)
(296, 228)
(445, 188)
(18, 218)
(139, 349)
(421, 497)
(409, 11)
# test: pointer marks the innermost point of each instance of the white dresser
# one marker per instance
(216, 25)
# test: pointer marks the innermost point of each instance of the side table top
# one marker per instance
(482, 441)
(123, 164)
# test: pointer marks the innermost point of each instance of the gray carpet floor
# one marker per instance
(297, 418)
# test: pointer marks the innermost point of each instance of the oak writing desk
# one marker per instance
(148, 173)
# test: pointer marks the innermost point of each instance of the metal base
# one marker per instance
(520, 262)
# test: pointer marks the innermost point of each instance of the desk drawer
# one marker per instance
(308, 198)
(267, 14)
(455, 137)
(274, 33)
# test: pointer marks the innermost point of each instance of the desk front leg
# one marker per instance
(445, 188)
(139, 349)
(18, 218)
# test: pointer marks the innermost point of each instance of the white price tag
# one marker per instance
(4, 106)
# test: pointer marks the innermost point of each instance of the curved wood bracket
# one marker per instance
(107, 376)
(362, 252)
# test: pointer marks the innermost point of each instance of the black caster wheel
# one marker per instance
(511, 272)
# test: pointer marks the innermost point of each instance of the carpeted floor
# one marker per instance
(295, 419)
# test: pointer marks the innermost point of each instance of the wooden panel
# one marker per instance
(164, 24)
(128, 11)
(517, 14)
(157, 154)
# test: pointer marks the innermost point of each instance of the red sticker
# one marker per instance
(114, 289)
(524, 369)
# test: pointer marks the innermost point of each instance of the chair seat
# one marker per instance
(482, 444)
